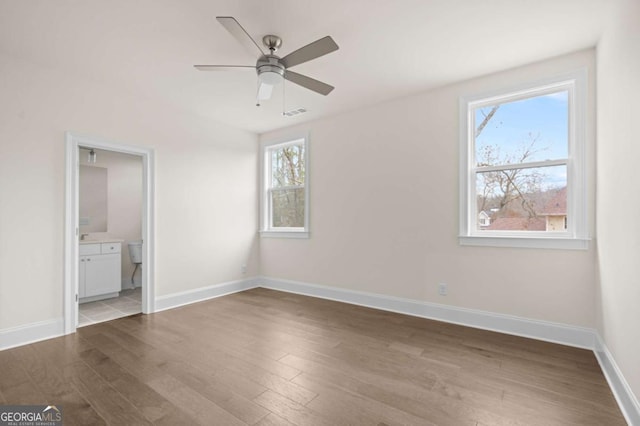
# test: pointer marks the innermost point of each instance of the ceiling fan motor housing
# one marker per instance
(270, 70)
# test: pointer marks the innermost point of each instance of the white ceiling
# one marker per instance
(387, 48)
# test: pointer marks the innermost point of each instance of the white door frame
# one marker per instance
(73, 143)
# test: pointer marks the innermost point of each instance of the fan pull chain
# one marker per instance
(283, 109)
(258, 93)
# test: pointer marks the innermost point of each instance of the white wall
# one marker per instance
(206, 213)
(384, 212)
(124, 202)
(618, 205)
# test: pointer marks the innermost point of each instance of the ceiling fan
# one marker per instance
(272, 69)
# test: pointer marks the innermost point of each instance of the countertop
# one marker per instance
(102, 240)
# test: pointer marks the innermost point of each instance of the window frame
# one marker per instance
(576, 235)
(266, 230)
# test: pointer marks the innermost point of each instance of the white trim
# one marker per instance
(71, 229)
(31, 333)
(524, 242)
(265, 229)
(49, 329)
(289, 142)
(569, 335)
(73, 143)
(286, 188)
(576, 237)
(148, 281)
(529, 165)
(627, 401)
(541, 330)
(577, 168)
(284, 234)
(188, 297)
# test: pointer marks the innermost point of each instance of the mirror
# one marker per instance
(93, 199)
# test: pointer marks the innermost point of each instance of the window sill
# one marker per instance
(284, 234)
(525, 242)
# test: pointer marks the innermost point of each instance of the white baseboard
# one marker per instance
(541, 330)
(30, 333)
(203, 293)
(627, 401)
(535, 329)
(43, 330)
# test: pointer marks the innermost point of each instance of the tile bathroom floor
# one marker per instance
(128, 303)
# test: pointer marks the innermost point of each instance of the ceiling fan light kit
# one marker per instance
(270, 68)
(264, 92)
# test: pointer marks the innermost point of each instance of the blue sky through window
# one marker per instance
(514, 127)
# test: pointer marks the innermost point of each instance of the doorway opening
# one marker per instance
(110, 226)
(109, 237)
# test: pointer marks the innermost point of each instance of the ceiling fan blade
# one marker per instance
(239, 33)
(310, 51)
(221, 67)
(308, 82)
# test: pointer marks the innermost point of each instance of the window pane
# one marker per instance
(532, 129)
(522, 199)
(287, 208)
(287, 166)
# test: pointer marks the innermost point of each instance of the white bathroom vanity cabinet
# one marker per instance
(99, 275)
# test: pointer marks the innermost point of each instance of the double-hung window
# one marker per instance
(522, 166)
(285, 189)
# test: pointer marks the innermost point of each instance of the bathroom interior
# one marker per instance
(110, 233)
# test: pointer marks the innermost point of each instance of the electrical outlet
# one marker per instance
(442, 289)
(243, 269)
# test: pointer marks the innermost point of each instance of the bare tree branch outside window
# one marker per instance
(287, 192)
(516, 198)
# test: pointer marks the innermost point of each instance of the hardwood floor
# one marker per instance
(269, 358)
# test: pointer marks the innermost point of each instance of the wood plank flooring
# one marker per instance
(263, 357)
